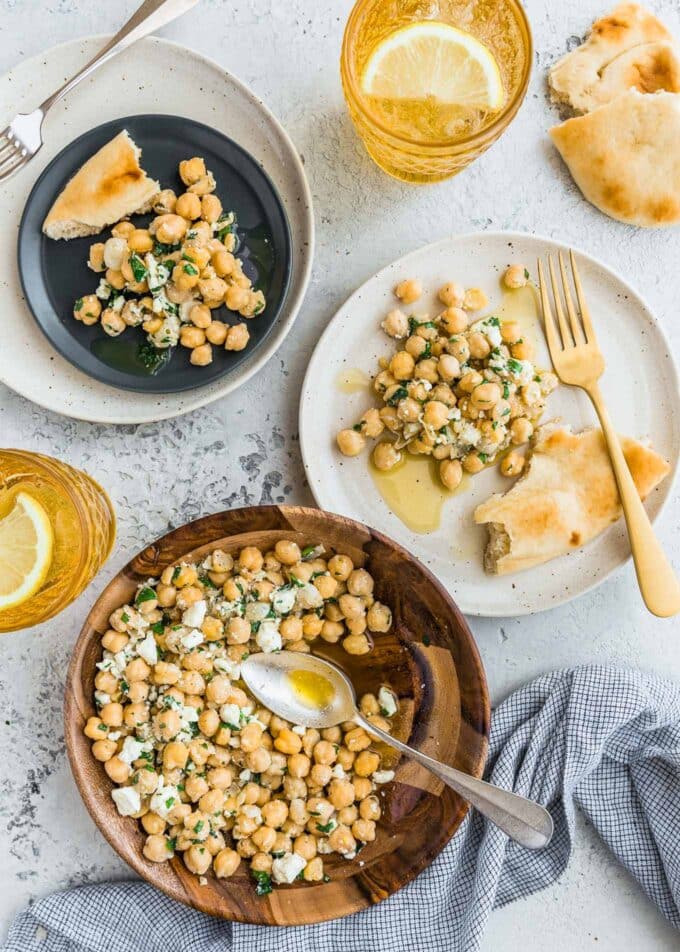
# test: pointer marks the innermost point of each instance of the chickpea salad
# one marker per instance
(170, 277)
(209, 772)
(460, 388)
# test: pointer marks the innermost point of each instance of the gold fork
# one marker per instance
(578, 362)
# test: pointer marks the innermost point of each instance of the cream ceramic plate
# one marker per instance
(640, 385)
(28, 363)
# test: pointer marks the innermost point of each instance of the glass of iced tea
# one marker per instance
(431, 84)
(57, 528)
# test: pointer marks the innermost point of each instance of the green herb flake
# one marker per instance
(190, 269)
(145, 594)
(326, 827)
(138, 267)
(484, 457)
(263, 882)
(171, 843)
(78, 306)
(157, 628)
(399, 394)
(125, 618)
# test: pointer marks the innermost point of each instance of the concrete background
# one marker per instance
(244, 449)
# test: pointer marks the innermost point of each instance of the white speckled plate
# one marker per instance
(640, 386)
(145, 79)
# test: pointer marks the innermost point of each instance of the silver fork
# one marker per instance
(22, 138)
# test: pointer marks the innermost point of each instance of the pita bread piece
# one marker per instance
(625, 157)
(110, 186)
(629, 48)
(567, 497)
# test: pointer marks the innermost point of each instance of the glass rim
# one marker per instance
(447, 145)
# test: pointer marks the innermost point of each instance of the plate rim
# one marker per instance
(507, 236)
(297, 297)
(73, 714)
(125, 120)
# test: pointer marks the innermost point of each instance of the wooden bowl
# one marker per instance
(430, 660)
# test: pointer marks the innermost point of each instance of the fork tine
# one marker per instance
(6, 170)
(548, 319)
(6, 148)
(583, 307)
(576, 329)
(564, 329)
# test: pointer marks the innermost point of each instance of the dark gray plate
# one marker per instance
(55, 273)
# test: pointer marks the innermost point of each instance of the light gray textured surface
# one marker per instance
(244, 449)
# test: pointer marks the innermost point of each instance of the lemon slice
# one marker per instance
(433, 59)
(26, 541)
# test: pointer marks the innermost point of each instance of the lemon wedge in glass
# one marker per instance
(26, 543)
(434, 60)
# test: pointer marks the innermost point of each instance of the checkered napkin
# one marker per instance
(603, 739)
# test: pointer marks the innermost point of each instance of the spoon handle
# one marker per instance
(524, 821)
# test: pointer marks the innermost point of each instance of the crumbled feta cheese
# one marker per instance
(339, 772)
(469, 434)
(283, 600)
(387, 702)
(245, 775)
(104, 290)
(286, 868)
(167, 334)
(252, 811)
(148, 649)
(194, 616)
(101, 697)
(323, 846)
(491, 330)
(522, 370)
(308, 596)
(268, 637)
(257, 611)
(127, 800)
(226, 666)
(164, 799)
(157, 275)
(230, 714)
(383, 776)
(118, 304)
(192, 639)
(132, 749)
(188, 715)
(299, 729)
(113, 735)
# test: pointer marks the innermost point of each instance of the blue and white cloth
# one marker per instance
(602, 739)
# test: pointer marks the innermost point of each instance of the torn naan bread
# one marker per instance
(625, 157)
(110, 186)
(566, 497)
(627, 49)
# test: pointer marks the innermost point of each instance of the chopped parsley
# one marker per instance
(190, 269)
(138, 267)
(157, 628)
(484, 457)
(399, 394)
(263, 882)
(514, 365)
(171, 843)
(145, 594)
(326, 827)
(159, 249)
(125, 618)
(78, 306)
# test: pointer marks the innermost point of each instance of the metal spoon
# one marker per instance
(269, 678)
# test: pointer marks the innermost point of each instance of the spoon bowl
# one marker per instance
(312, 692)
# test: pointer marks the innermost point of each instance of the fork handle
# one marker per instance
(151, 16)
(658, 582)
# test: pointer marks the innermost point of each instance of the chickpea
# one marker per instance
(513, 464)
(138, 692)
(96, 258)
(166, 724)
(153, 823)
(479, 346)
(201, 356)
(451, 473)
(170, 229)
(366, 763)
(157, 848)
(105, 681)
(165, 201)
(350, 442)
(197, 859)
(475, 299)
(140, 241)
(305, 845)
(288, 742)
(459, 348)
(211, 208)
(356, 644)
(313, 871)
(396, 324)
(415, 346)
(516, 276)
(522, 350)
(453, 320)
(436, 414)
(226, 863)
(521, 430)
(87, 309)
(204, 185)
(237, 337)
(191, 336)
(485, 396)
(408, 291)
(224, 263)
(402, 366)
(114, 641)
(175, 755)
(104, 750)
(112, 323)
(192, 170)
(472, 463)
(378, 618)
(112, 714)
(451, 294)
(251, 737)
(188, 206)
(236, 297)
(115, 278)
(117, 770)
(340, 567)
(342, 841)
(363, 830)
(341, 793)
(448, 368)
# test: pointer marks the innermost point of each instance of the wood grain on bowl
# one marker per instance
(430, 660)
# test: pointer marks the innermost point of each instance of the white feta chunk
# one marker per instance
(194, 616)
(268, 637)
(283, 600)
(226, 666)
(192, 639)
(287, 868)
(127, 800)
(147, 649)
(132, 749)
(387, 702)
(230, 714)
(308, 596)
(257, 611)
(164, 799)
(383, 776)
